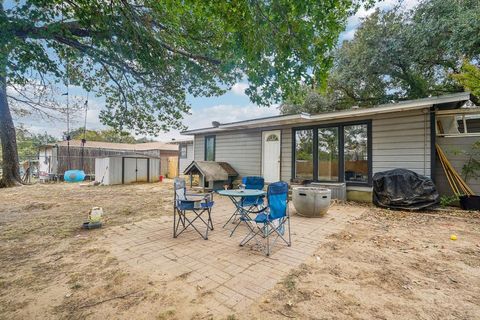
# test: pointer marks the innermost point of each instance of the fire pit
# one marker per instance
(311, 201)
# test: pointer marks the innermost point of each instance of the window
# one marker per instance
(458, 125)
(356, 153)
(334, 153)
(328, 154)
(272, 137)
(304, 154)
(183, 151)
(210, 148)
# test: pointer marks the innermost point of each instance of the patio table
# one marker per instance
(236, 196)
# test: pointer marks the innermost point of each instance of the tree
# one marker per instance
(308, 100)
(28, 143)
(469, 78)
(108, 135)
(400, 55)
(146, 56)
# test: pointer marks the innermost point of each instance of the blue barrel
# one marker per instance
(74, 175)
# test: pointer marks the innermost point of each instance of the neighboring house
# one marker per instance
(185, 153)
(56, 158)
(344, 146)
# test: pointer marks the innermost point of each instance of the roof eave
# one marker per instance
(302, 118)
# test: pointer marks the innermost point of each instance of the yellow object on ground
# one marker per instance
(95, 215)
(453, 237)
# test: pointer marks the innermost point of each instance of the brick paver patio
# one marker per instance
(235, 276)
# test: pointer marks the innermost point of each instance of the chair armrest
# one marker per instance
(188, 201)
(260, 211)
(205, 196)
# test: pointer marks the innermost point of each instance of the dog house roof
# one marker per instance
(211, 170)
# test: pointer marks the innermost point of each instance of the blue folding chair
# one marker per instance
(248, 203)
(272, 220)
(253, 183)
(197, 204)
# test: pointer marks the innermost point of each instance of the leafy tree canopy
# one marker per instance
(469, 78)
(145, 56)
(29, 142)
(309, 100)
(108, 135)
(401, 55)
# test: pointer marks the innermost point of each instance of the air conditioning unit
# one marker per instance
(339, 190)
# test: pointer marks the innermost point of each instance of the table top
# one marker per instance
(241, 193)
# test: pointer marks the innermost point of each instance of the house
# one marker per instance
(185, 153)
(343, 146)
(56, 158)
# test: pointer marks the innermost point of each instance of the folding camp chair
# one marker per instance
(247, 203)
(272, 220)
(197, 204)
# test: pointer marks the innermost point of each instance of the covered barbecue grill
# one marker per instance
(213, 175)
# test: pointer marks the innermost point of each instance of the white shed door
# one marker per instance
(135, 170)
(142, 171)
(130, 170)
(271, 141)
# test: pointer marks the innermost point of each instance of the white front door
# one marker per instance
(271, 141)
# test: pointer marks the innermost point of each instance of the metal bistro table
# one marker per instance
(241, 212)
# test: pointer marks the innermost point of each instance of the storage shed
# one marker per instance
(58, 157)
(127, 169)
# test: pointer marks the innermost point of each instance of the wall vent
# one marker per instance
(339, 190)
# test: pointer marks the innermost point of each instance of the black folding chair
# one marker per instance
(198, 205)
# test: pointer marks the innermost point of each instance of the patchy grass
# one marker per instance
(44, 253)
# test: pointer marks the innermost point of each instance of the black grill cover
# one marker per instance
(403, 189)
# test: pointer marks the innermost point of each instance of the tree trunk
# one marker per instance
(8, 139)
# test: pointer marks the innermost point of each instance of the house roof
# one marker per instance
(179, 141)
(119, 146)
(450, 101)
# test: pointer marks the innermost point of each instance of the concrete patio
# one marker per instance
(233, 276)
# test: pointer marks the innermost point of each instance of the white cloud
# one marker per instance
(347, 35)
(239, 88)
(354, 22)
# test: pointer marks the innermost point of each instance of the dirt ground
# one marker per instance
(385, 265)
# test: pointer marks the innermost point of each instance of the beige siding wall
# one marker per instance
(397, 142)
(401, 142)
(184, 162)
(242, 150)
(199, 146)
(286, 160)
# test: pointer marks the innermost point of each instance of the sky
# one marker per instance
(232, 106)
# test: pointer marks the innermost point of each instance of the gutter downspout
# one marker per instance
(433, 141)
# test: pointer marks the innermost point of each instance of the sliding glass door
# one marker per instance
(356, 153)
(304, 154)
(334, 153)
(328, 154)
